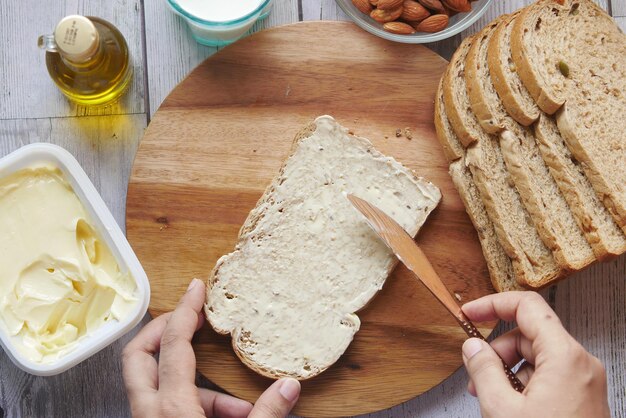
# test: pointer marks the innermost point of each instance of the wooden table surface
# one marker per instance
(591, 305)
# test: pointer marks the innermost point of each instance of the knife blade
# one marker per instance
(412, 256)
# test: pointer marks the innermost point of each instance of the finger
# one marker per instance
(177, 361)
(535, 318)
(217, 404)
(524, 373)
(139, 367)
(277, 400)
(513, 347)
(486, 372)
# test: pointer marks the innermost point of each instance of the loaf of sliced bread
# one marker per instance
(305, 261)
(574, 54)
(533, 262)
(605, 237)
(498, 263)
(600, 231)
(540, 194)
(515, 98)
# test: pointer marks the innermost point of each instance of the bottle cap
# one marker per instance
(77, 38)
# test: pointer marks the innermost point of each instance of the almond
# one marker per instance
(384, 16)
(433, 5)
(434, 23)
(413, 11)
(364, 6)
(389, 4)
(458, 5)
(399, 27)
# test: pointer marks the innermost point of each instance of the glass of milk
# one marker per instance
(220, 22)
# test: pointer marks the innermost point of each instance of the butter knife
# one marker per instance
(411, 255)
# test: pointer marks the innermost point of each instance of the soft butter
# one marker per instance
(59, 282)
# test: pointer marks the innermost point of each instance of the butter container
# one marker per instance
(108, 231)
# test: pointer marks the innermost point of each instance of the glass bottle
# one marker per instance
(87, 58)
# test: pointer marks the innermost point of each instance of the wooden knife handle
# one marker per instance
(473, 332)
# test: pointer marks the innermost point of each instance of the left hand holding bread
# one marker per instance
(166, 388)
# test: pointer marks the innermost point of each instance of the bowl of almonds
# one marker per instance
(414, 21)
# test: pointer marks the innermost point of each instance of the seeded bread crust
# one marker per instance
(515, 97)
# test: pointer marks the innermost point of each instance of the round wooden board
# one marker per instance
(221, 136)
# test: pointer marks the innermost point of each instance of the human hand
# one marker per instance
(167, 388)
(562, 379)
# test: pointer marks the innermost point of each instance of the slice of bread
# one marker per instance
(605, 237)
(515, 97)
(456, 110)
(533, 262)
(535, 49)
(452, 147)
(478, 81)
(305, 260)
(575, 54)
(498, 263)
(541, 196)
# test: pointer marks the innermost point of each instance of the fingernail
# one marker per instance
(193, 284)
(471, 347)
(290, 389)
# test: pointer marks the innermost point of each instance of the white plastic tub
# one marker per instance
(108, 230)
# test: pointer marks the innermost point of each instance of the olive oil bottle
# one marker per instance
(87, 58)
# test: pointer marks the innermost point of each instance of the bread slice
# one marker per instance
(477, 80)
(450, 143)
(605, 237)
(498, 263)
(515, 97)
(540, 194)
(305, 260)
(456, 110)
(533, 262)
(575, 54)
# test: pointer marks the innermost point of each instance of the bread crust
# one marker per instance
(481, 107)
(498, 76)
(454, 116)
(452, 148)
(547, 101)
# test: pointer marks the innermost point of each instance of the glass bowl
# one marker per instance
(458, 23)
(211, 33)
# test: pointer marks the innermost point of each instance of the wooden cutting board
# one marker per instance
(220, 137)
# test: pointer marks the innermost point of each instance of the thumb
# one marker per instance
(277, 400)
(487, 374)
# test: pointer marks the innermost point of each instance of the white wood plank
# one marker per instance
(172, 53)
(591, 307)
(322, 10)
(618, 8)
(105, 147)
(26, 90)
(621, 22)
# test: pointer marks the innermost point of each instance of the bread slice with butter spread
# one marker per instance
(305, 260)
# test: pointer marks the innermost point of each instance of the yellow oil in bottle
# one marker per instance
(88, 60)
